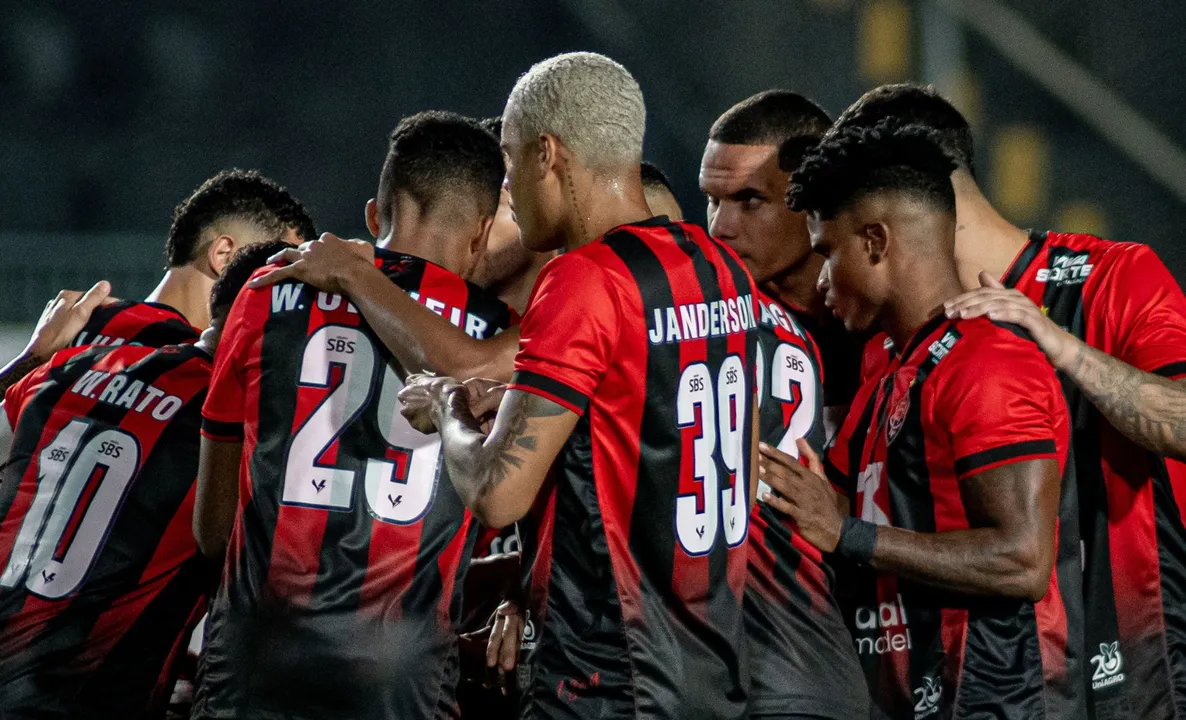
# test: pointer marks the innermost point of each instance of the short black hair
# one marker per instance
(914, 104)
(652, 176)
(234, 193)
(855, 161)
(787, 120)
(492, 125)
(238, 271)
(431, 154)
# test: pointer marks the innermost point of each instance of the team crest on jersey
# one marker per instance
(897, 418)
(1108, 666)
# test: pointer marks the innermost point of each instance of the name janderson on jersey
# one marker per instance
(289, 297)
(696, 321)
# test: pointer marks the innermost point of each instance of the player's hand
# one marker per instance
(1009, 305)
(506, 636)
(325, 263)
(485, 395)
(423, 397)
(63, 318)
(802, 493)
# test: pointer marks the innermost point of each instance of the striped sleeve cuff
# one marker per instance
(550, 388)
(979, 462)
(222, 431)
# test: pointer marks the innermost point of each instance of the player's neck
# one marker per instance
(984, 239)
(601, 204)
(187, 290)
(516, 291)
(797, 287)
(920, 301)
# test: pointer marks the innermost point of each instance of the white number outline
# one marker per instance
(423, 451)
(726, 505)
(59, 489)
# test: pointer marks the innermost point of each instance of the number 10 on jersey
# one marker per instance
(724, 414)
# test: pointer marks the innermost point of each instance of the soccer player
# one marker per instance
(660, 197)
(102, 580)
(801, 655)
(634, 377)
(341, 584)
(1113, 320)
(744, 173)
(231, 210)
(955, 453)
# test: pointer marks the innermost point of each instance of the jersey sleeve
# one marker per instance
(19, 392)
(1001, 404)
(1144, 312)
(568, 334)
(223, 411)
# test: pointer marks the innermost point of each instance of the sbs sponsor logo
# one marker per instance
(1108, 666)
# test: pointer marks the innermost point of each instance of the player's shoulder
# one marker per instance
(984, 345)
(1102, 254)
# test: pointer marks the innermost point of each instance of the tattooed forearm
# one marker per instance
(479, 464)
(15, 370)
(1150, 410)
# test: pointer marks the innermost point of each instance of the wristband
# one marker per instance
(858, 538)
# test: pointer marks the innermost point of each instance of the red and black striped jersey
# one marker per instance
(1119, 298)
(137, 323)
(800, 653)
(649, 333)
(840, 355)
(963, 397)
(101, 580)
(343, 576)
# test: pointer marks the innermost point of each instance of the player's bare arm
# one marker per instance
(421, 340)
(62, 319)
(217, 496)
(1149, 409)
(1009, 552)
(498, 474)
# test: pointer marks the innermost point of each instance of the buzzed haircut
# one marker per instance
(435, 155)
(589, 102)
(855, 162)
(915, 105)
(238, 271)
(786, 120)
(653, 177)
(242, 195)
(493, 125)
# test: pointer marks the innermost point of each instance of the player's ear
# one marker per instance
(549, 154)
(372, 213)
(220, 252)
(876, 241)
(478, 243)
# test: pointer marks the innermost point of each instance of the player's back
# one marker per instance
(345, 563)
(101, 573)
(800, 652)
(136, 323)
(647, 566)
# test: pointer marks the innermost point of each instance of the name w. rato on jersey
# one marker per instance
(101, 580)
(963, 397)
(800, 654)
(649, 334)
(1119, 298)
(343, 575)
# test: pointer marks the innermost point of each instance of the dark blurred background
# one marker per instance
(113, 112)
